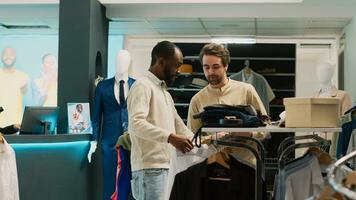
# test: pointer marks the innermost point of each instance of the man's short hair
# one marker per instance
(164, 49)
(218, 50)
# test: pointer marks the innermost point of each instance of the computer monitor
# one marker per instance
(39, 120)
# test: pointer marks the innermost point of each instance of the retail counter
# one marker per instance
(53, 166)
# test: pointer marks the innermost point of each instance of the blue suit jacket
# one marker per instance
(108, 112)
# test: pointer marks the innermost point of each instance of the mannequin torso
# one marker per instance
(114, 118)
(123, 60)
(325, 72)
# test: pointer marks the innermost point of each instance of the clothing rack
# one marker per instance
(260, 158)
(283, 153)
(332, 176)
(289, 140)
(259, 155)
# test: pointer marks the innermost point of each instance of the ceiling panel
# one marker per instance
(229, 25)
(130, 25)
(181, 31)
(133, 31)
(176, 24)
(280, 32)
(225, 32)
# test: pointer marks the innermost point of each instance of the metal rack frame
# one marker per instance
(258, 155)
(260, 158)
(331, 176)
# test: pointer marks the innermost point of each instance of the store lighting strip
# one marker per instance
(234, 40)
(197, 1)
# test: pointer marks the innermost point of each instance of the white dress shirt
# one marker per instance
(118, 78)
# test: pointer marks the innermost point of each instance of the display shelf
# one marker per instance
(277, 74)
(283, 90)
(274, 129)
(245, 58)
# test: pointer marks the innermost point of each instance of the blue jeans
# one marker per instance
(149, 184)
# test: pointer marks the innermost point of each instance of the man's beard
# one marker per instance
(168, 76)
(214, 79)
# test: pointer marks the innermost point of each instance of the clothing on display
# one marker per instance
(214, 181)
(344, 105)
(9, 188)
(123, 190)
(122, 92)
(221, 115)
(302, 177)
(113, 115)
(261, 85)
(345, 138)
(180, 162)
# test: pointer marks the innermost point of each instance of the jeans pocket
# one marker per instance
(135, 186)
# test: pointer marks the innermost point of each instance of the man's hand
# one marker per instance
(17, 127)
(180, 142)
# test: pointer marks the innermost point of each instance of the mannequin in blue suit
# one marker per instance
(111, 111)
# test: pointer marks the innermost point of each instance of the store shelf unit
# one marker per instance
(276, 62)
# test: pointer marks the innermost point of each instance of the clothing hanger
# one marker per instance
(330, 194)
(221, 158)
(350, 180)
(323, 157)
(353, 114)
(247, 69)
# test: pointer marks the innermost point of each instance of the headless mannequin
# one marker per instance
(325, 72)
(123, 60)
(110, 110)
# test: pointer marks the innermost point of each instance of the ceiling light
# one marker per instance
(197, 1)
(247, 40)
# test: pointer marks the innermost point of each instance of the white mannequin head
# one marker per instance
(123, 60)
(324, 73)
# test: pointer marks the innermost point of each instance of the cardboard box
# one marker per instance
(311, 112)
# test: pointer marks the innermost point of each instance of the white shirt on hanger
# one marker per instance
(9, 188)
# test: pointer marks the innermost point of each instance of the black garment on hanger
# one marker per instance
(9, 130)
(122, 92)
(194, 183)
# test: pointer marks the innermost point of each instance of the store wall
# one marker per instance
(308, 57)
(350, 59)
(116, 43)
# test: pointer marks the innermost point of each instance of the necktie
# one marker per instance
(122, 93)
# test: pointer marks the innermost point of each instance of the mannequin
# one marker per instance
(325, 72)
(110, 110)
